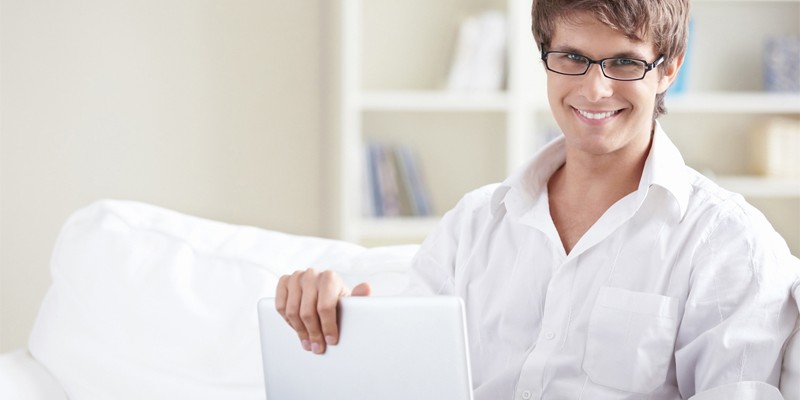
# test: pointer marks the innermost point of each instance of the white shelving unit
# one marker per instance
(367, 102)
(395, 57)
(759, 187)
(735, 102)
(711, 122)
(432, 101)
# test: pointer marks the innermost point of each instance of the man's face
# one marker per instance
(600, 116)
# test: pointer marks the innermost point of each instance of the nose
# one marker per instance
(595, 85)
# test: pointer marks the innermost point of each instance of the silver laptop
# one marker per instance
(390, 348)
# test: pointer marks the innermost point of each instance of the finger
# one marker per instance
(331, 289)
(308, 311)
(292, 313)
(281, 293)
(362, 289)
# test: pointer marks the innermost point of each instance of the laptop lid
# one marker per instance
(390, 348)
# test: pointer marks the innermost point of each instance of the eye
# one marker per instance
(576, 58)
(624, 62)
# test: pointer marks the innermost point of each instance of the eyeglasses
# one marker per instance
(617, 68)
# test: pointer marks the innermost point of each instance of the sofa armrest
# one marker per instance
(23, 378)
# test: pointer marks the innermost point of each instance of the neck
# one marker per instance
(601, 178)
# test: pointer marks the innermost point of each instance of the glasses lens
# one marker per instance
(567, 63)
(624, 68)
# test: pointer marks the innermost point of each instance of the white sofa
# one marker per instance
(147, 303)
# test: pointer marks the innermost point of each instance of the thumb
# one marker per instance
(362, 289)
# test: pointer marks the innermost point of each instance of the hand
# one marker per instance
(308, 301)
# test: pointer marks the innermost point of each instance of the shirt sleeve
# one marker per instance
(740, 391)
(433, 269)
(739, 311)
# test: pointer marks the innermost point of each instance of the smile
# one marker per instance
(597, 115)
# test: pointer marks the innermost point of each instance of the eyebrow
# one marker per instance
(624, 54)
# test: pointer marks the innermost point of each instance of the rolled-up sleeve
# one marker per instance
(741, 391)
(739, 313)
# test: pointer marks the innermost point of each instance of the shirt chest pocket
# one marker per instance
(630, 340)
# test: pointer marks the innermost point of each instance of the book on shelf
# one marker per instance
(367, 202)
(413, 180)
(372, 206)
(389, 185)
(393, 183)
(479, 59)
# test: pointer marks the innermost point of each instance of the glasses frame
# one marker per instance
(647, 66)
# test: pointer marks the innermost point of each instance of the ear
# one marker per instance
(670, 73)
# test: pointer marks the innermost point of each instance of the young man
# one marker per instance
(605, 268)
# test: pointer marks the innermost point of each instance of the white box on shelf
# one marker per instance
(775, 147)
(479, 61)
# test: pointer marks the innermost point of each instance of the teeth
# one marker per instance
(596, 115)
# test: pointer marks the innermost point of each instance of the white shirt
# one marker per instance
(681, 287)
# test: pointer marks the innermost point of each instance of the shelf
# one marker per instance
(433, 101)
(749, 186)
(734, 102)
(759, 186)
(383, 99)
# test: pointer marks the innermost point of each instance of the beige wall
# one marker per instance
(207, 107)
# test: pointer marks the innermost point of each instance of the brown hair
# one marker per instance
(665, 22)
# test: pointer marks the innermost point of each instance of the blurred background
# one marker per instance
(209, 108)
(359, 120)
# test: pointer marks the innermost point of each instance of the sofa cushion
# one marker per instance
(148, 303)
(22, 378)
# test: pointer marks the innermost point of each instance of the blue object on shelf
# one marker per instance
(679, 84)
(782, 64)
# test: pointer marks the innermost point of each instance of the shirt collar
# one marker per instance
(523, 187)
(664, 167)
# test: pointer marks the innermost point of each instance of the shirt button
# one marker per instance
(526, 395)
(549, 335)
